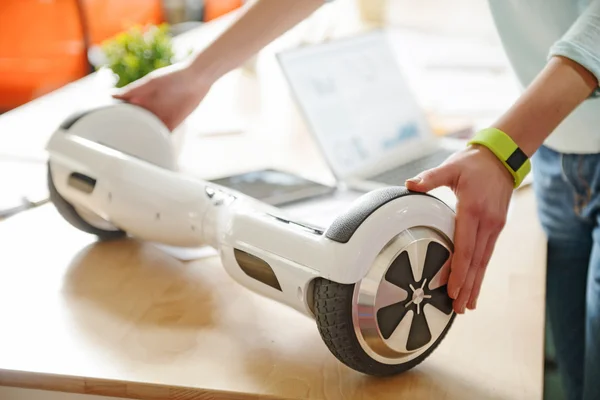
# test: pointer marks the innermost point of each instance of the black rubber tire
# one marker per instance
(333, 312)
(69, 213)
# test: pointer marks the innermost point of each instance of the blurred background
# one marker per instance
(45, 44)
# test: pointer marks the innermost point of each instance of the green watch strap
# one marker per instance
(507, 151)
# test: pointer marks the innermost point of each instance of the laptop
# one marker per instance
(360, 109)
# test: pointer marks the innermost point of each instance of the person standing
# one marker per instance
(554, 48)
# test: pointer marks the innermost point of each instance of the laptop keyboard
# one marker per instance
(400, 174)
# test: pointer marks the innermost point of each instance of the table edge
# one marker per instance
(116, 387)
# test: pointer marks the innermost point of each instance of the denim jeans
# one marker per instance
(567, 188)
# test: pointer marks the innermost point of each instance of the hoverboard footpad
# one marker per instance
(344, 226)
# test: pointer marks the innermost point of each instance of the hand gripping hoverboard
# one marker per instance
(374, 280)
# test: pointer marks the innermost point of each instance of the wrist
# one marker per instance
(204, 71)
(485, 152)
(504, 148)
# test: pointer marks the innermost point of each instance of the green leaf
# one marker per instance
(138, 51)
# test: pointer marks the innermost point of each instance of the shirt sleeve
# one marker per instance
(581, 43)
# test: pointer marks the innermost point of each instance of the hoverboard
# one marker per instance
(374, 280)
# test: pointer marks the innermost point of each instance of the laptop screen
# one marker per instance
(354, 99)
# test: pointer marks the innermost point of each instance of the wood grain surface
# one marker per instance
(125, 319)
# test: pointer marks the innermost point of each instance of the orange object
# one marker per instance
(106, 18)
(42, 44)
(216, 8)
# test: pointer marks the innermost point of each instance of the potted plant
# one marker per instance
(133, 54)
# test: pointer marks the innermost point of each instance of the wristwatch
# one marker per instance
(507, 151)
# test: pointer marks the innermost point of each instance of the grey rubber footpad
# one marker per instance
(344, 226)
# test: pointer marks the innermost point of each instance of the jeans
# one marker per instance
(567, 188)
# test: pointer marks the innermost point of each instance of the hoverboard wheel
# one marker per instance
(398, 314)
(151, 145)
(89, 224)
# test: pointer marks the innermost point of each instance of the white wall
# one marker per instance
(457, 17)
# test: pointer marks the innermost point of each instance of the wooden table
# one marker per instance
(125, 319)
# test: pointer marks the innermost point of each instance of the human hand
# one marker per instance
(483, 188)
(171, 93)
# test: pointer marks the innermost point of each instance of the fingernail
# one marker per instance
(454, 294)
(462, 309)
(416, 179)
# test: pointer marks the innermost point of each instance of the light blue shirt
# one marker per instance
(532, 31)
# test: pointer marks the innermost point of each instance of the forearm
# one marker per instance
(261, 23)
(554, 94)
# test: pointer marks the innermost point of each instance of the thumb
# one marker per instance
(134, 89)
(125, 93)
(431, 179)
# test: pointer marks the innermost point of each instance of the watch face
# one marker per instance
(517, 159)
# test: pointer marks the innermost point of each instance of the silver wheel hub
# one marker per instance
(401, 307)
(418, 295)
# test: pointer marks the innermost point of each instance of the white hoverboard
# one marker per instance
(374, 280)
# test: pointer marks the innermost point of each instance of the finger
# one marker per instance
(465, 292)
(120, 95)
(132, 100)
(172, 123)
(465, 239)
(129, 94)
(135, 89)
(489, 249)
(444, 175)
